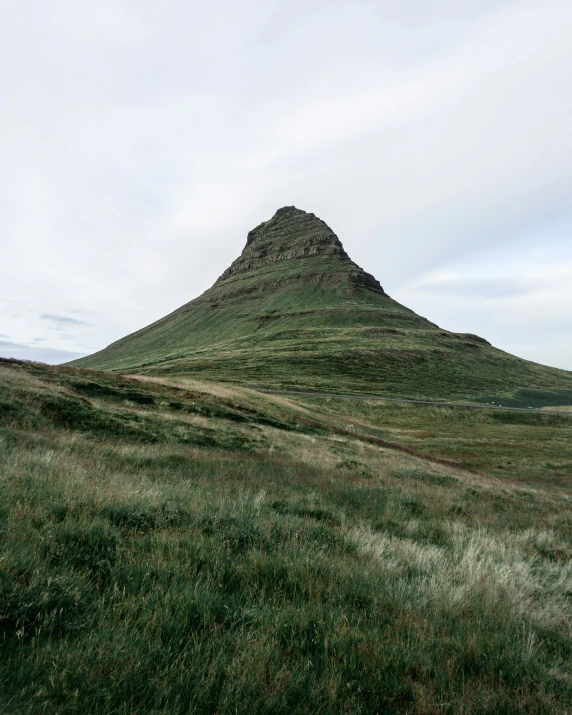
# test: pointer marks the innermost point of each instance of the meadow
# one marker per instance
(530, 449)
(172, 546)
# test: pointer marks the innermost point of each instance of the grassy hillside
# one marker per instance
(183, 547)
(293, 311)
(520, 448)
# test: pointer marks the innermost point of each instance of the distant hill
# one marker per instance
(295, 312)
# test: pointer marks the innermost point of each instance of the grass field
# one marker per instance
(514, 447)
(199, 548)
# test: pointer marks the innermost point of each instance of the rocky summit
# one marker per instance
(292, 235)
(293, 311)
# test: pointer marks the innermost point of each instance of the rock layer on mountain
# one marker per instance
(294, 311)
(292, 235)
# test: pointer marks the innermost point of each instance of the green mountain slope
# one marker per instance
(295, 312)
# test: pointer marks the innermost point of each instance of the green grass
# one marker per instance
(527, 448)
(283, 565)
(530, 398)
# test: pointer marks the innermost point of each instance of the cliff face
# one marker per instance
(290, 236)
(294, 311)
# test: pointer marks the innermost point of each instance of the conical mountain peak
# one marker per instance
(295, 312)
(304, 245)
(289, 224)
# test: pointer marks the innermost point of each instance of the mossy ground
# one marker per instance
(192, 548)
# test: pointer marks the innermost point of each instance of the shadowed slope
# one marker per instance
(294, 311)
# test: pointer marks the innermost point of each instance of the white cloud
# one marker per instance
(517, 296)
(144, 140)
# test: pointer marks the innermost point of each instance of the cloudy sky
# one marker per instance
(141, 140)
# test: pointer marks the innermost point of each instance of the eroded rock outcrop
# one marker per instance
(295, 243)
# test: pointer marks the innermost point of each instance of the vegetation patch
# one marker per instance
(46, 608)
(442, 480)
(91, 547)
(174, 576)
(530, 398)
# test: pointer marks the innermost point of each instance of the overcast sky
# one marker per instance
(141, 140)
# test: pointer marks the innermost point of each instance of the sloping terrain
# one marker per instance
(183, 547)
(294, 312)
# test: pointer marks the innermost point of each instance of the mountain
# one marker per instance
(295, 312)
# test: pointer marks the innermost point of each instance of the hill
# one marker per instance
(295, 312)
(173, 546)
